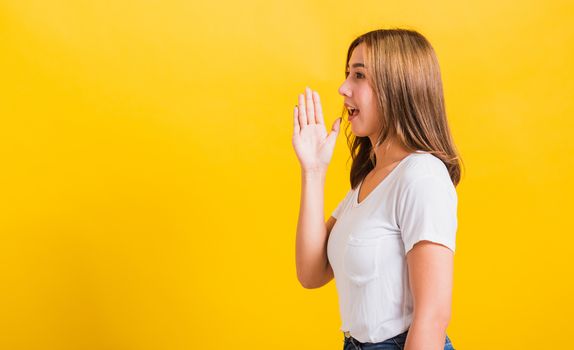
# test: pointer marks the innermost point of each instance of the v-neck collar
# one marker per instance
(383, 181)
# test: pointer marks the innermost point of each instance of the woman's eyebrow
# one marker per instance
(355, 65)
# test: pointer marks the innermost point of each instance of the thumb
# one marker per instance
(337, 125)
(332, 137)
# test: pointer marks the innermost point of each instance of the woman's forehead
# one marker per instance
(356, 59)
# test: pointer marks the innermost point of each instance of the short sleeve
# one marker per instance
(342, 205)
(427, 210)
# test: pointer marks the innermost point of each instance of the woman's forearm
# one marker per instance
(426, 334)
(311, 255)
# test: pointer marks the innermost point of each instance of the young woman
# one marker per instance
(390, 242)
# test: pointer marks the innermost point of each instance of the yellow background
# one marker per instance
(149, 191)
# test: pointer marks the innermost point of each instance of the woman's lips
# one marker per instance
(351, 110)
(351, 117)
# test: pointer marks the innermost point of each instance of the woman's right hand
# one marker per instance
(314, 148)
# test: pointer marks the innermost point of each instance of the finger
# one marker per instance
(301, 111)
(309, 104)
(318, 108)
(296, 127)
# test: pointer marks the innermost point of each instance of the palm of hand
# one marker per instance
(313, 146)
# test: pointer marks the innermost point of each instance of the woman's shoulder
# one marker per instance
(422, 165)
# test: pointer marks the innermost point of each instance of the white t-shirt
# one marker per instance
(367, 247)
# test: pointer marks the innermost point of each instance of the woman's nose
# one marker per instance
(344, 90)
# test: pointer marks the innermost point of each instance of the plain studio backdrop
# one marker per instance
(149, 191)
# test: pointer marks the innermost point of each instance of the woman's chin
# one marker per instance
(357, 132)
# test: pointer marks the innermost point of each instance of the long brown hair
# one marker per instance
(405, 77)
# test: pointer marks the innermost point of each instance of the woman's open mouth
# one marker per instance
(352, 112)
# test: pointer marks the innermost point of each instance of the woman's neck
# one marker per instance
(388, 154)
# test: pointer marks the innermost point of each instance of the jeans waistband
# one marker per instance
(348, 334)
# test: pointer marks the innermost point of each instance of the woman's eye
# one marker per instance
(357, 75)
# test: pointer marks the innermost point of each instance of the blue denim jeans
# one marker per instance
(394, 343)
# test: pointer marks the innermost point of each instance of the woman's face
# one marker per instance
(359, 95)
